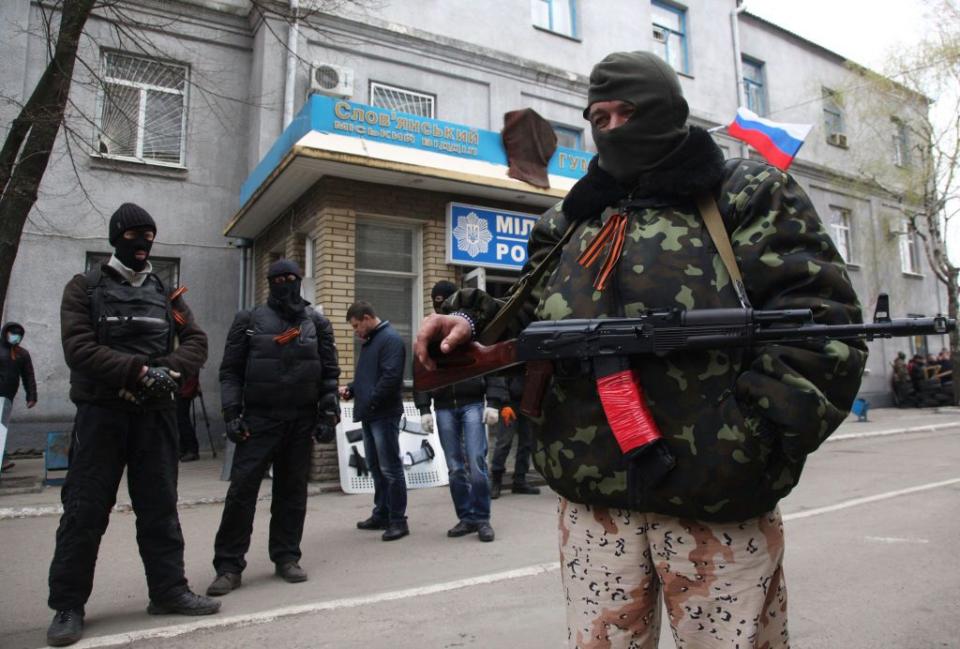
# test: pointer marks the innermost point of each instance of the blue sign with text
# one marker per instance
(491, 238)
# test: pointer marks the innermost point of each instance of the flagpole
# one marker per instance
(716, 128)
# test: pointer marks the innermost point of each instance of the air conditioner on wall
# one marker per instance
(837, 139)
(329, 79)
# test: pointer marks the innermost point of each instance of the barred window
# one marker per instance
(402, 100)
(142, 112)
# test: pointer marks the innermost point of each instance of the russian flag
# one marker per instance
(778, 142)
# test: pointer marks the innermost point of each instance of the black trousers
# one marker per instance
(504, 440)
(188, 434)
(105, 441)
(288, 445)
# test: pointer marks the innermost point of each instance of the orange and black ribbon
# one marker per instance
(287, 336)
(178, 316)
(613, 231)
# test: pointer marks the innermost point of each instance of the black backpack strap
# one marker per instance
(93, 277)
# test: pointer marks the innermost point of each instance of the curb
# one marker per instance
(9, 513)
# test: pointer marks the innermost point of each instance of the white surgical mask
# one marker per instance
(14, 339)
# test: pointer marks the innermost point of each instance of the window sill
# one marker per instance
(838, 145)
(685, 74)
(132, 165)
(853, 265)
(912, 275)
(575, 39)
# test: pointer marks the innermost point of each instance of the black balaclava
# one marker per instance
(285, 297)
(659, 125)
(127, 217)
(442, 289)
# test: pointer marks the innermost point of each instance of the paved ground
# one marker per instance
(871, 561)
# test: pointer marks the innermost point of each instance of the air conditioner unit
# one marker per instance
(838, 139)
(659, 35)
(329, 79)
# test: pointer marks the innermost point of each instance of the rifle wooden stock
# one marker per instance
(465, 362)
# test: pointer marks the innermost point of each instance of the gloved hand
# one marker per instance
(508, 416)
(236, 428)
(158, 383)
(326, 430)
(426, 423)
(490, 416)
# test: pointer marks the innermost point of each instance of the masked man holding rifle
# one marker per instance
(698, 520)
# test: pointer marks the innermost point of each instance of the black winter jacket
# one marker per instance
(377, 385)
(15, 365)
(279, 379)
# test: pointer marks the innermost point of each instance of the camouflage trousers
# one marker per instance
(722, 583)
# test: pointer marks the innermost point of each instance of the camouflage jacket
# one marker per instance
(740, 423)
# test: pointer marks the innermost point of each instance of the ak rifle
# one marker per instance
(607, 344)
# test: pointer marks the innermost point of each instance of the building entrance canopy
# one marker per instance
(335, 137)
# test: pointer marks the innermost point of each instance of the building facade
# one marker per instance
(365, 145)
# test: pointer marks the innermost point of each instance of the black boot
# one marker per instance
(496, 481)
(66, 627)
(395, 531)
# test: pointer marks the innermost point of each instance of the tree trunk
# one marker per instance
(39, 123)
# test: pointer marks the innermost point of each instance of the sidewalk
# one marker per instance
(22, 494)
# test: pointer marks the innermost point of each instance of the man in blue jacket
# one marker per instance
(378, 389)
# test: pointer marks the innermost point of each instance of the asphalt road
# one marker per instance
(871, 562)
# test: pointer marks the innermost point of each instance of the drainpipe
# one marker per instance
(293, 36)
(738, 63)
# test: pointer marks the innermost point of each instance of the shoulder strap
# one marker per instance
(93, 278)
(721, 239)
(491, 333)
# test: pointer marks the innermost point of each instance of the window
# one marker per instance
(909, 249)
(568, 136)
(558, 16)
(753, 88)
(841, 232)
(402, 100)
(901, 143)
(166, 268)
(142, 109)
(670, 35)
(388, 263)
(308, 285)
(832, 115)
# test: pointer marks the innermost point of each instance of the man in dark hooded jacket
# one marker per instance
(15, 366)
(278, 387)
(706, 536)
(127, 340)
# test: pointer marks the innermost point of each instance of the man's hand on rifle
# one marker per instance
(450, 330)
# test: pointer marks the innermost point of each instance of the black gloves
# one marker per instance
(236, 428)
(326, 430)
(328, 416)
(157, 385)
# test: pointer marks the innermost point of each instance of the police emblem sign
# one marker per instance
(485, 237)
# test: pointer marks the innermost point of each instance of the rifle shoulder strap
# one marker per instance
(721, 239)
(491, 333)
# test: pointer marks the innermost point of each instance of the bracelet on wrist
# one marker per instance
(470, 321)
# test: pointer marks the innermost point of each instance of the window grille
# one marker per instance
(142, 109)
(670, 35)
(402, 100)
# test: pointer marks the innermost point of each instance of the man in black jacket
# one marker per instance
(461, 422)
(377, 387)
(120, 329)
(278, 387)
(15, 365)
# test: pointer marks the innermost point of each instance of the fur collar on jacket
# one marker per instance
(695, 167)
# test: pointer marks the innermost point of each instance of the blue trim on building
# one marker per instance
(331, 115)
